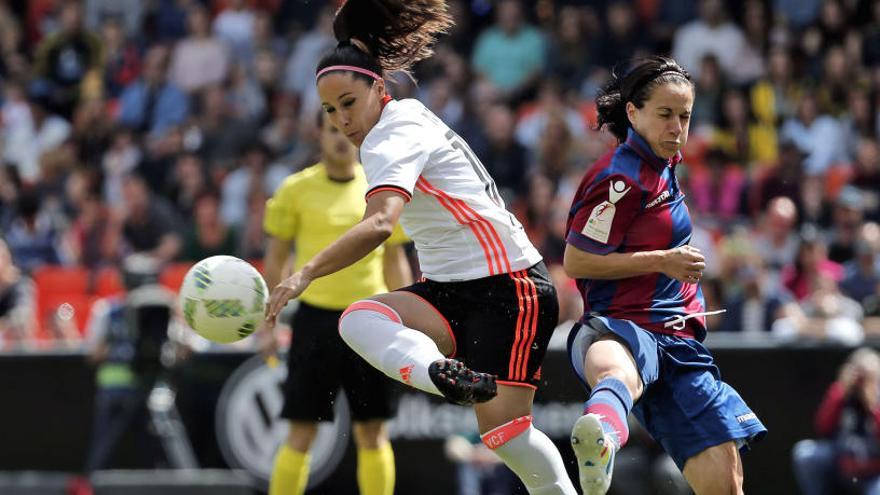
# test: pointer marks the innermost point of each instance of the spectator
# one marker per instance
(550, 105)
(150, 226)
(862, 275)
(717, 190)
(17, 314)
(712, 34)
(33, 129)
(187, 182)
(235, 26)
(254, 177)
(866, 175)
(758, 304)
(93, 239)
(774, 236)
(122, 60)
(847, 422)
(222, 133)
(571, 56)
(820, 135)
(504, 157)
(742, 137)
(510, 53)
(120, 160)
(199, 60)
(847, 217)
(707, 100)
(811, 264)
(797, 13)
(827, 315)
(128, 14)
(774, 97)
(246, 99)
(93, 130)
(209, 236)
(33, 238)
(624, 38)
(151, 104)
(299, 72)
(65, 58)
(783, 180)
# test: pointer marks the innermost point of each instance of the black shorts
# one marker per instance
(320, 363)
(499, 324)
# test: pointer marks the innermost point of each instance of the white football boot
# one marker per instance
(595, 454)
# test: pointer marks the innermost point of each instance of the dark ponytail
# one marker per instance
(395, 33)
(634, 84)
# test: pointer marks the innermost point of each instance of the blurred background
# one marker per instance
(138, 137)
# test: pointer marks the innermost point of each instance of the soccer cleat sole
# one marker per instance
(588, 443)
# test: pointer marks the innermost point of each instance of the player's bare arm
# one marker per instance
(383, 211)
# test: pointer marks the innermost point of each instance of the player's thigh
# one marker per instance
(511, 402)
(716, 470)
(420, 315)
(609, 356)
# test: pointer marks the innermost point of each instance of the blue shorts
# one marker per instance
(685, 407)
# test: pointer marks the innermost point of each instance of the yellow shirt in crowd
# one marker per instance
(313, 210)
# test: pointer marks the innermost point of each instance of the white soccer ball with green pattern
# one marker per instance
(223, 298)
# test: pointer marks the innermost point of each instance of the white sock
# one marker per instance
(531, 455)
(376, 332)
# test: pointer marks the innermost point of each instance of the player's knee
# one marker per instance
(301, 435)
(370, 434)
(632, 381)
(358, 315)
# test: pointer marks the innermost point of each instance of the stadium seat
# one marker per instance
(108, 282)
(172, 276)
(58, 279)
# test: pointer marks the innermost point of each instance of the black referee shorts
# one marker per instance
(500, 324)
(320, 363)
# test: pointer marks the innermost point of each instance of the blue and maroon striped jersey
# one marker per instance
(630, 201)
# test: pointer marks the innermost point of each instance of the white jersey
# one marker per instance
(455, 216)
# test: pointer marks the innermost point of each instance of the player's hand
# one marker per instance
(289, 288)
(685, 264)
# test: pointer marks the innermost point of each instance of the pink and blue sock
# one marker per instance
(611, 400)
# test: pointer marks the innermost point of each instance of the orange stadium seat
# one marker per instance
(108, 282)
(55, 279)
(172, 276)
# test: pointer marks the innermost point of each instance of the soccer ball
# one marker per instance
(223, 298)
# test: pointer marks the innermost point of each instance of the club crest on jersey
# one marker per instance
(598, 226)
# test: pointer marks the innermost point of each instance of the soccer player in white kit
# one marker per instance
(475, 329)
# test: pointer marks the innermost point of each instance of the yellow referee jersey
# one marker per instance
(313, 210)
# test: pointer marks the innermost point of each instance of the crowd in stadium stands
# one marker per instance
(162, 127)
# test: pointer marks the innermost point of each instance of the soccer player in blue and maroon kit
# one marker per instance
(644, 312)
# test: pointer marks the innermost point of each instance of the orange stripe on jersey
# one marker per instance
(427, 188)
(533, 326)
(399, 190)
(494, 235)
(512, 366)
(479, 221)
(487, 229)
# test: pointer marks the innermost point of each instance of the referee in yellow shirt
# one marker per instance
(309, 211)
